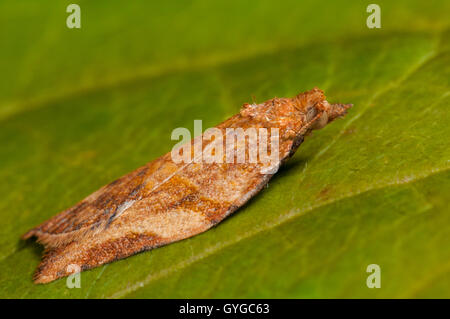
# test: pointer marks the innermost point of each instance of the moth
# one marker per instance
(166, 201)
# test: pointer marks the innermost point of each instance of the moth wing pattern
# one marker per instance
(163, 204)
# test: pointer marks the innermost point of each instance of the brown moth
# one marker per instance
(164, 201)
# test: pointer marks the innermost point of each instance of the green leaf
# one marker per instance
(79, 108)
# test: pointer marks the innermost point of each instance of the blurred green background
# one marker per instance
(81, 107)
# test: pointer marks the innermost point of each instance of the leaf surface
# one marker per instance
(79, 108)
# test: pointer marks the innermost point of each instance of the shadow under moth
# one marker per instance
(166, 201)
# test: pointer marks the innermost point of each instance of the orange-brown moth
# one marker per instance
(163, 201)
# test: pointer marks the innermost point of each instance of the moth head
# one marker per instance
(336, 110)
(306, 111)
(321, 113)
(315, 110)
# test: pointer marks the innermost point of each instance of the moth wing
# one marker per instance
(93, 212)
(180, 207)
